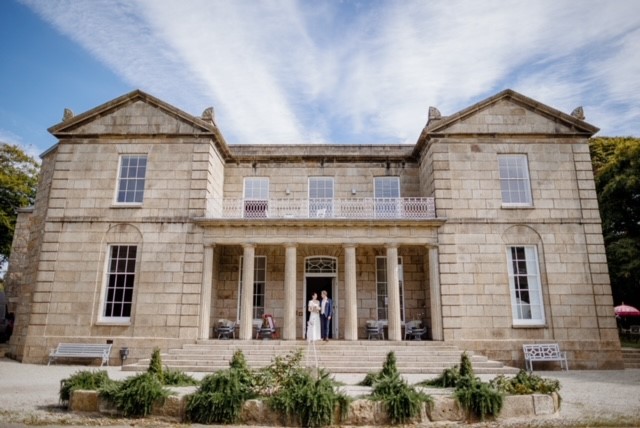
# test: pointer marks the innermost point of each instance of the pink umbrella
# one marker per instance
(626, 311)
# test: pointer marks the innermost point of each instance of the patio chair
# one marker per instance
(226, 329)
(413, 329)
(375, 330)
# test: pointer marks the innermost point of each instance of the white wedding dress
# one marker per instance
(313, 325)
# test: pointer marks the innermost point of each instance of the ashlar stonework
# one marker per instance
(149, 229)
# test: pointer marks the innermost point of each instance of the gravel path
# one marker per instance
(29, 396)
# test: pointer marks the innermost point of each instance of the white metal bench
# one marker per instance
(544, 352)
(81, 350)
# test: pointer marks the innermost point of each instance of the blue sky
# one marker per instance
(286, 72)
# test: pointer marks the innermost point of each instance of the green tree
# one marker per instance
(616, 165)
(18, 181)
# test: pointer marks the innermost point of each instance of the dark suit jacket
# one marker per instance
(328, 308)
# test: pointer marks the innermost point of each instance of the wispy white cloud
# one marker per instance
(301, 72)
(10, 138)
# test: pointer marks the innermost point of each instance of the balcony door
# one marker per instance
(320, 197)
(256, 197)
(387, 197)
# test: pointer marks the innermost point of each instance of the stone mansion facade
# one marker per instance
(148, 228)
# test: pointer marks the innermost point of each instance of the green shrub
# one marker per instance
(401, 401)
(525, 383)
(219, 398)
(239, 364)
(369, 379)
(389, 368)
(312, 400)
(136, 395)
(174, 377)
(84, 379)
(478, 397)
(466, 369)
(155, 365)
(448, 379)
(270, 379)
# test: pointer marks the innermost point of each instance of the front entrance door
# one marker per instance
(315, 284)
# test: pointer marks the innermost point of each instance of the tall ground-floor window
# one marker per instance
(121, 275)
(524, 282)
(259, 285)
(381, 285)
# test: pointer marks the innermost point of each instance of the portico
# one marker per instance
(363, 272)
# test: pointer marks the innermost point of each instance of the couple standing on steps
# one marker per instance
(320, 317)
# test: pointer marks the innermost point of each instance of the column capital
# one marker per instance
(349, 245)
(290, 244)
(249, 245)
(391, 245)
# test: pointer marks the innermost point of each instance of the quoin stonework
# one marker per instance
(148, 228)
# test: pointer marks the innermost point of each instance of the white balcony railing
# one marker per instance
(352, 208)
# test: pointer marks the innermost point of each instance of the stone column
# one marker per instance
(393, 294)
(205, 293)
(246, 300)
(289, 327)
(434, 290)
(351, 302)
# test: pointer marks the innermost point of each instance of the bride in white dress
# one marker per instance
(313, 326)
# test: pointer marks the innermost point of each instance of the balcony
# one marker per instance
(352, 208)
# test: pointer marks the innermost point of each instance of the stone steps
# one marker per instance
(631, 358)
(335, 356)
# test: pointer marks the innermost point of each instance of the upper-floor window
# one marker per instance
(120, 280)
(514, 180)
(256, 197)
(133, 169)
(259, 286)
(387, 197)
(320, 197)
(524, 282)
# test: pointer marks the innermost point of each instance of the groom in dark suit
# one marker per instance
(326, 311)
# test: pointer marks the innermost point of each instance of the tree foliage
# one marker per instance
(616, 165)
(18, 181)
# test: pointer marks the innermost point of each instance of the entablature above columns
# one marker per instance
(284, 236)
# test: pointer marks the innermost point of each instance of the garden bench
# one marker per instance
(81, 350)
(544, 352)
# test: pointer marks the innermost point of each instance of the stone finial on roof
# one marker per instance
(578, 113)
(208, 114)
(68, 114)
(434, 113)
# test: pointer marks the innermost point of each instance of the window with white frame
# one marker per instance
(259, 286)
(256, 197)
(387, 197)
(320, 197)
(133, 169)
(382, 289)
(120, 281)
(524, 282)
(514, 180)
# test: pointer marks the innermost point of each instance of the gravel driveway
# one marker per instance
(29, 396)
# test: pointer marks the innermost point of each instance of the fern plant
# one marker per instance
(401, 401)
(155, 365)
(136, 395)
(310, 399)
(448, 379)
(84, 379)
(479, 397)
(174, 377)
(219, 398)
